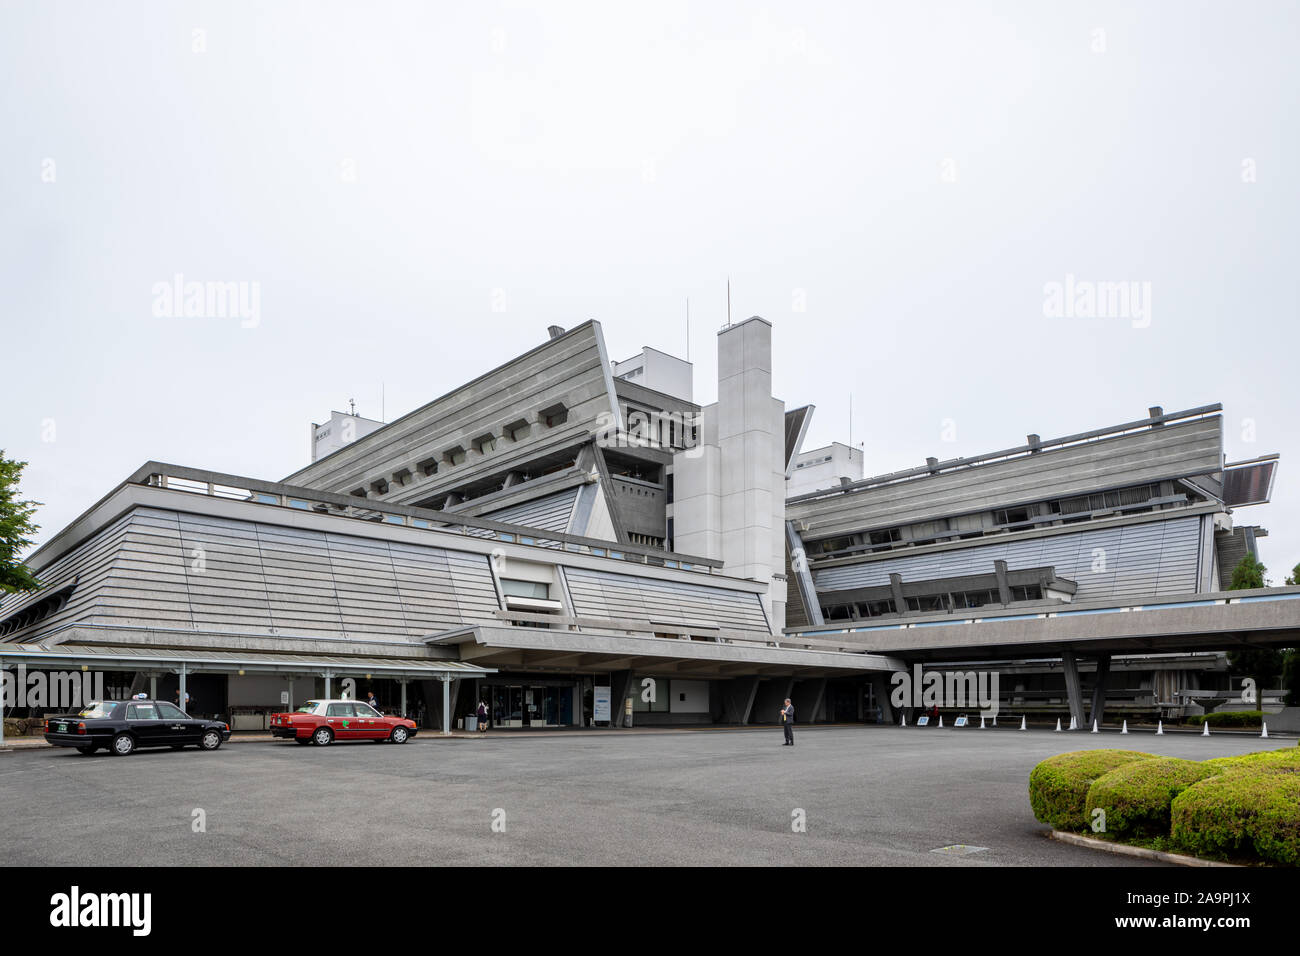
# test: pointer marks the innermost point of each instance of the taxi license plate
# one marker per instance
(63, 728)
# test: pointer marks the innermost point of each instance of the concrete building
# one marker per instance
(575, 541)
(825, 468)
(341, 429)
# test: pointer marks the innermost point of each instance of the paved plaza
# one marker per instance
(868, 795)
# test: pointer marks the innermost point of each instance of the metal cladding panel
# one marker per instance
(1158, 557)
(796, 420)
(604, 594)
(549, 513)
(1248, 484)
(88, 566)
(1153, 454)
(163, 569)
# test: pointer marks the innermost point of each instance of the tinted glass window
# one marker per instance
(98, 708)
(365, 710)
(308, 708)
(141, 712)
(340, 710)
(170, 710)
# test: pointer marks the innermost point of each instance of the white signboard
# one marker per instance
(922, 721)
(600, 703)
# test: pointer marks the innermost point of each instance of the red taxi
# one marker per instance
(322, 722)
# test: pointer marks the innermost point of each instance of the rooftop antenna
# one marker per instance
(728, 301)
(353, 403)
(381, 402)
(688, 328)
(850, 419)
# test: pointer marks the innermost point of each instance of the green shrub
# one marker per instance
(1251, 808)
(1229, 718)
(1282, 757)
(1058, 787)
(1136, 796)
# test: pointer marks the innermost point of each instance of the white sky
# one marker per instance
(609, 161)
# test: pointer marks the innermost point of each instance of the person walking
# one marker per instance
(482, 716)
(787, 722)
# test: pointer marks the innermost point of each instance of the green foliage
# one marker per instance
(1229, 718)
(1136, 796)
(1248, 573)
(1294, 577)
(1248, 809)
(1058, 787)
(1287, 757)
(15, 529)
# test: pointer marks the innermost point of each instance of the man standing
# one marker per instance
(787, 722)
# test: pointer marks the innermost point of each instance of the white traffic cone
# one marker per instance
(981, 721)
(904, 723)
(1264, 733)
(1160, 728)
(1022, 723)
(1124, 729)
(1094, 727)
(1073, 724)
(995, 721)
(1206, 731)
(941, 720)
(1058, 725)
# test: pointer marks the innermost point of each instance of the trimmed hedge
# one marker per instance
(1251, 808)
(1136, 796)
(1262, 759)
(1229, 718)
(1058, 787)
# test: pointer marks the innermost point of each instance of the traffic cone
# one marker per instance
(981, 721)
(1160, 728)
(1073, 724)
(1022, 723)
(1265, 731)
(1058, 725)
(1206, 731)
(1124, 729)
(941, 720)
(1094, 727)
(904, 723)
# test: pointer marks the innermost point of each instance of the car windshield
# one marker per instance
(308, 708)
(97, 708)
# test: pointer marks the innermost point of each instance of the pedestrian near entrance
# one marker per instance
(372, 700)
(482, 716)
(787, 723)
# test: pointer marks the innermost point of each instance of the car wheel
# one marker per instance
(322, 736)
(399, 735)
(86, 750)
(123, 745)
(302, 741)
(210, 740)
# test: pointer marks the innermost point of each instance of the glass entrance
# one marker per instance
(525, 705)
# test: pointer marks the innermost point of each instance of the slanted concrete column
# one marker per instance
(896, 585)
(1073, 691)
(1099, 689)
(1004, 588)
(738, 699)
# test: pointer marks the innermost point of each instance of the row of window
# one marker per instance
(1079, 508)
(940, 603)
(485, 444)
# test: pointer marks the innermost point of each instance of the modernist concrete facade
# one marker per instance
(574, 540)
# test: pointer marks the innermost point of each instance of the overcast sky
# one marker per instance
(418, 189)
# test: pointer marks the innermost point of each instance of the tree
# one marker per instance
(1248, 573)
(1294, 576)
(15, 528)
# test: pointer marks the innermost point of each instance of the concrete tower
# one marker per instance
(730, 492)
